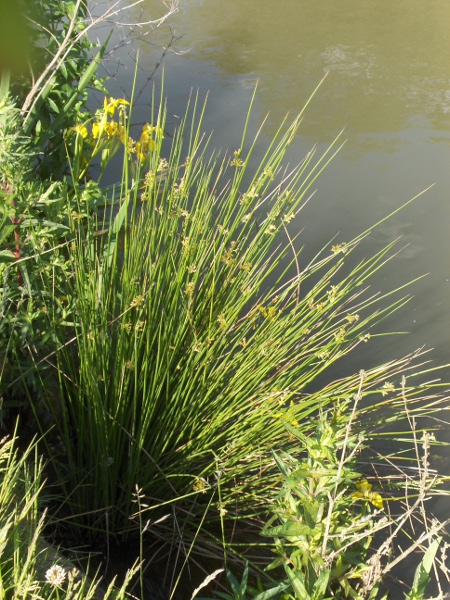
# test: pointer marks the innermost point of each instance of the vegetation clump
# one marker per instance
(168, 341)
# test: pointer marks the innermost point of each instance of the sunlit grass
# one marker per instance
(29, 566)
(200, 331)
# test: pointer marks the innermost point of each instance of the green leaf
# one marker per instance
(302, 472)
(298, 584)
(91, 70)
(281, 465)
(272, 592)
(312, 510)
(53, 105)
(422, 574)
(244, 580)
(32, 222)
(294, 431)
(63, 70)
(238, 589)
(348, 590)
(4, 84)
(6, 230)
(278, 562)
(321, 584)
(6, 256)
(290, 528)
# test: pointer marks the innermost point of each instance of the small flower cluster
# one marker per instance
(237, 160)
(55, 576)
(107, 135)
(364, 493)
(270, 313)
(147, 142)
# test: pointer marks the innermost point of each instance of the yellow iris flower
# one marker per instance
(112, 104)
(364, 493)
(80, 130)
(95, 130)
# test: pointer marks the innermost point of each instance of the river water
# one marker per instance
(388, 85)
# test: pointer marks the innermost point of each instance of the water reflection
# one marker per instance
(389, 60)
(389, 86)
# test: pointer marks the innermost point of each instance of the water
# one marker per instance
(388, 85)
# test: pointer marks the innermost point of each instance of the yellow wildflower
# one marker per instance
(140, 152)
(95, 130)
(112, 128)
(112, 104)
(146, 143)
(364, 493)
(150, 143)
(79, 130)
(147, 132)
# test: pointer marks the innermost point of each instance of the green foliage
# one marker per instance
(241, 590)
(169, 334)
(325, 521)
(29, 567)
(422, 574)
(36, 112)
(33, 223)
(37, 107)
(193, 347)
(54, 95)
